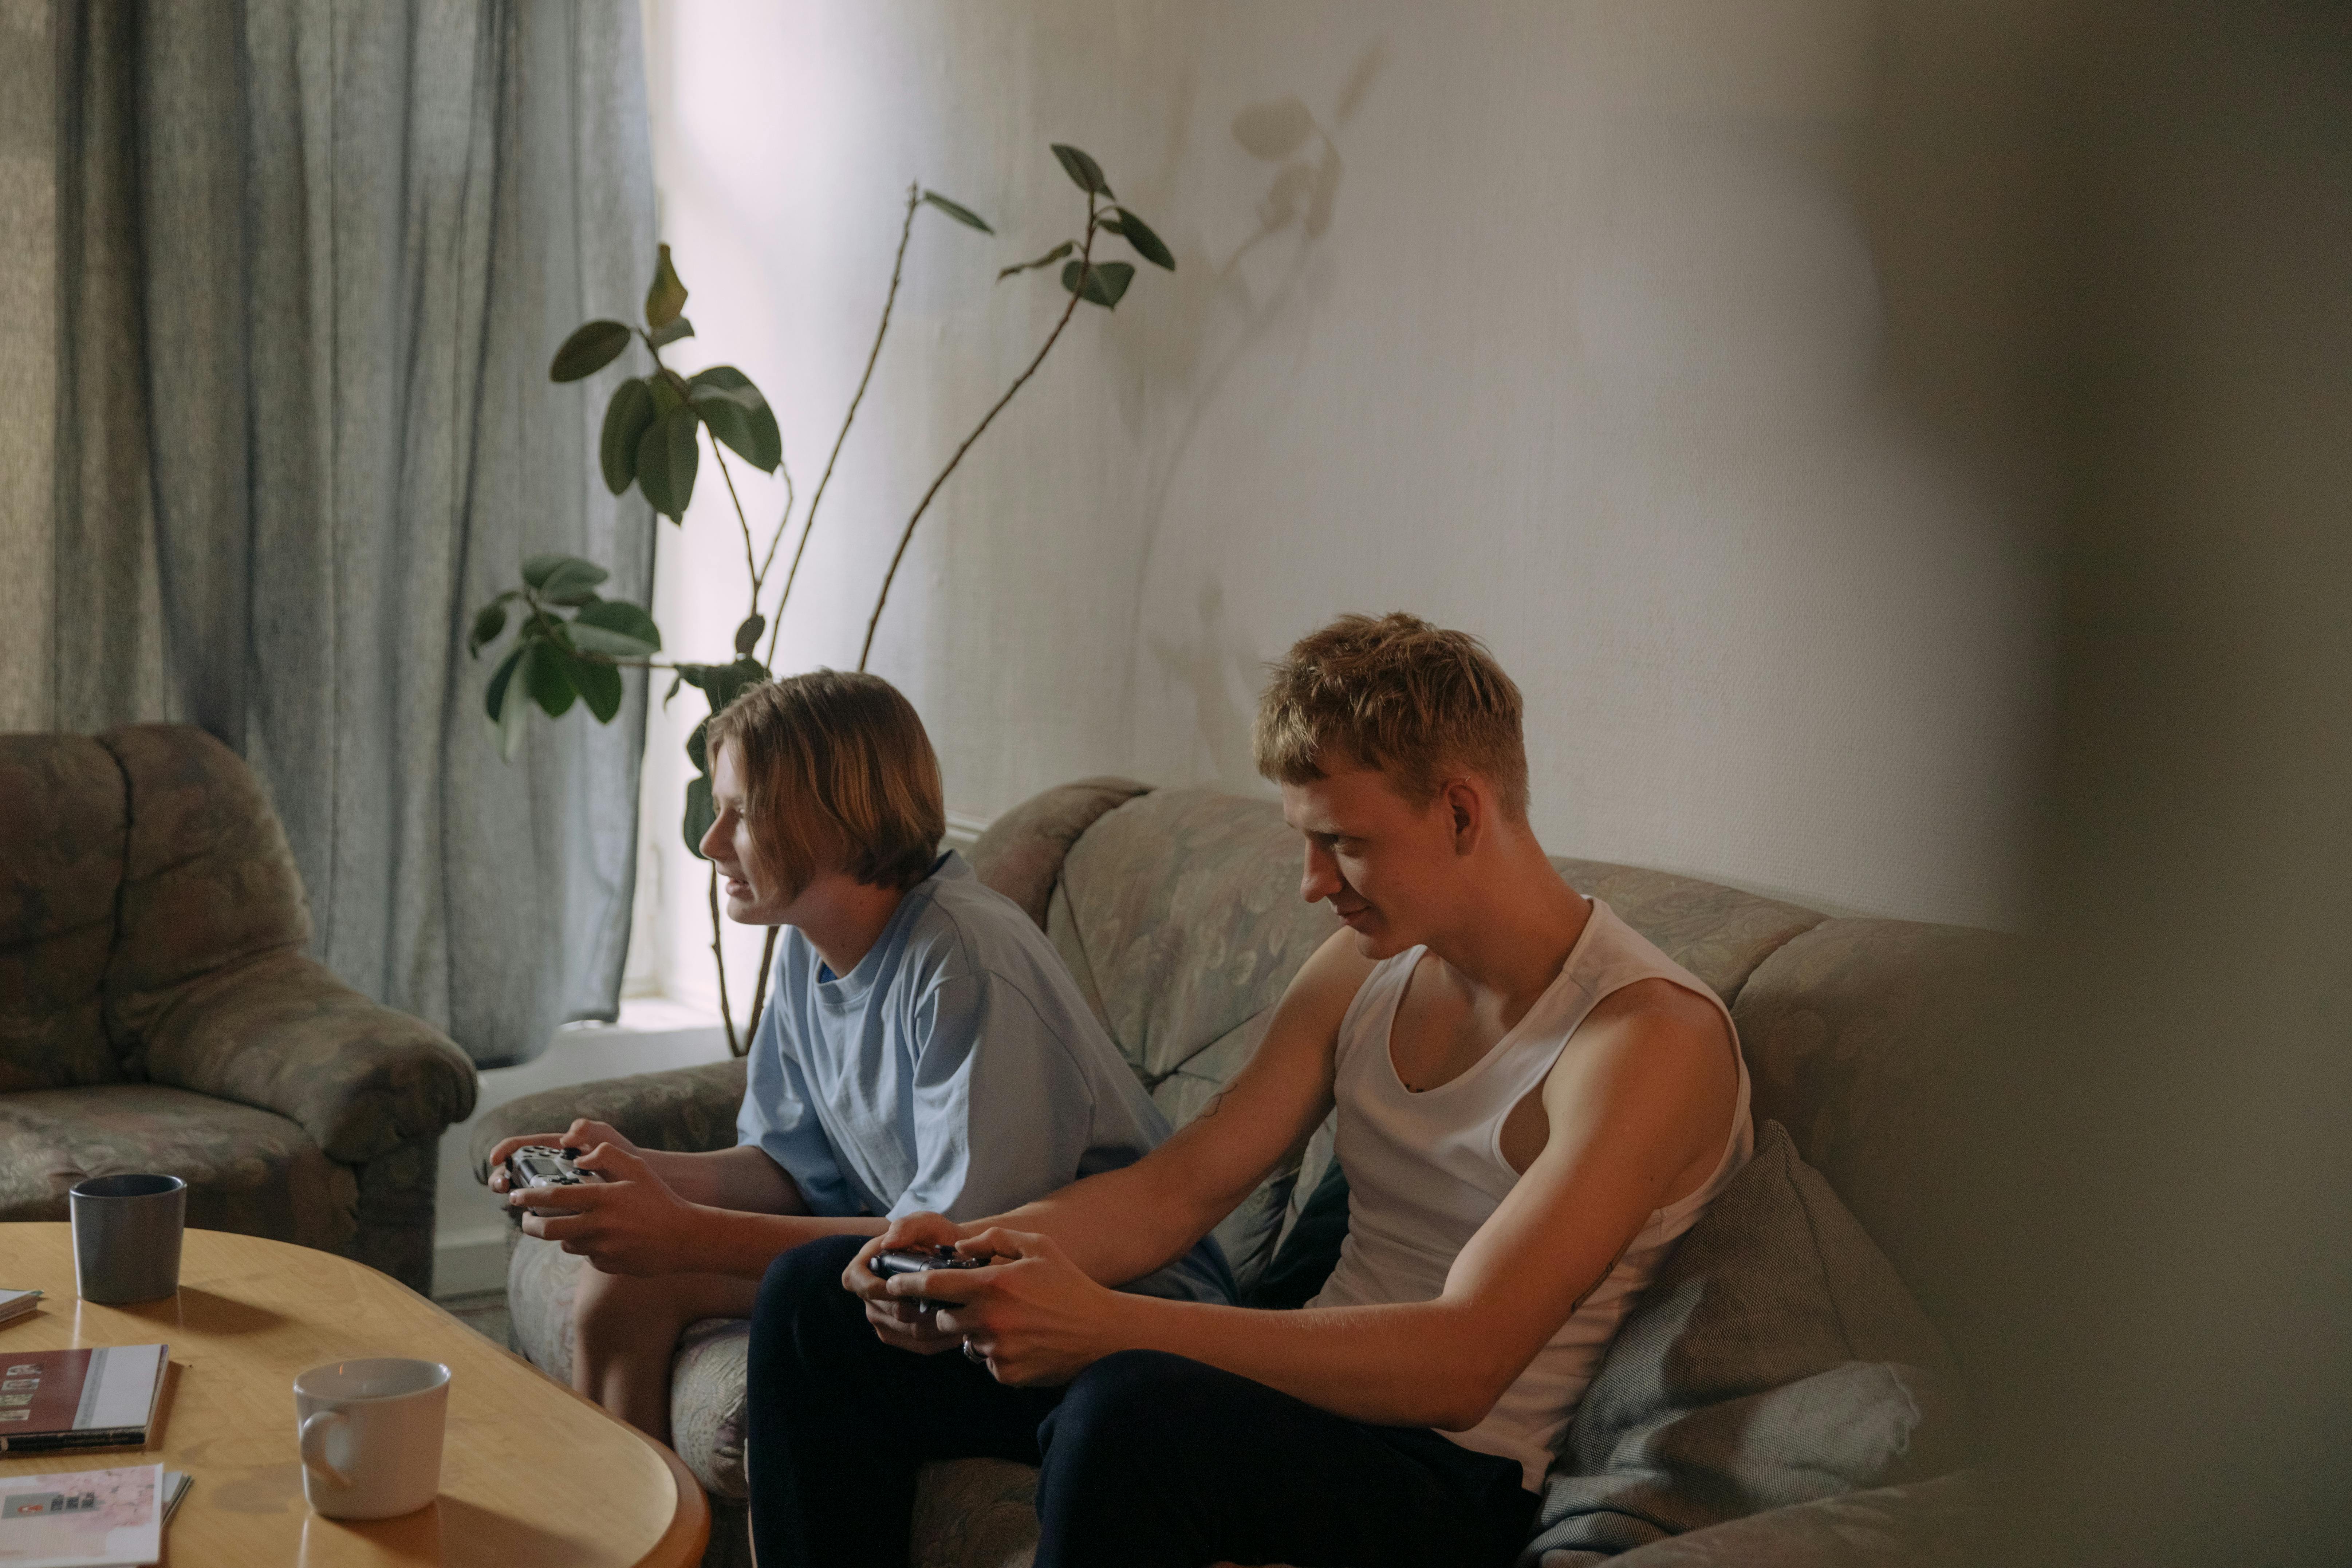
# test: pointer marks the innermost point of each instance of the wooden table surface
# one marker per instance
(531, 1473)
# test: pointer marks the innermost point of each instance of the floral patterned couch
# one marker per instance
(157, 1012)
(1178, 912)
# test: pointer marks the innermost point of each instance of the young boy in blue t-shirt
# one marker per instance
(923, 1048)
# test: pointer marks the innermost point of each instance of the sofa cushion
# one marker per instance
(1939, 1523)
(62, 836)
(1859, 1034)
(209, 881)
(1718, 933)
(247, 1170)
(1021, 854)
(1184, 910)
(706, 1403)
(1775, 1359)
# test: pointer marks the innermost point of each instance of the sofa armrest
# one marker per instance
(283, 1034)
(688, 1111)
(1938, 1523)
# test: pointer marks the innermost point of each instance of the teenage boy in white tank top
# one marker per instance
(1533, 1102)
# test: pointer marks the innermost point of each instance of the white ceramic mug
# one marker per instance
(370, 1436)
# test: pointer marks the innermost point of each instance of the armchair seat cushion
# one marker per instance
(248, 1170)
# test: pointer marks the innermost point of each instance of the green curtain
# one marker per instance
(312, 257)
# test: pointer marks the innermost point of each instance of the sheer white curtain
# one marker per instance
(311, 259)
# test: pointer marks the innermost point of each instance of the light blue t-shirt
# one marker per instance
(956, 1068)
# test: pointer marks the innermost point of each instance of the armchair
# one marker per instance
(157, 1012)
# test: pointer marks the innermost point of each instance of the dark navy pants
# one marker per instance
(1147, 1460)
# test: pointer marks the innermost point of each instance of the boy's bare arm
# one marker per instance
(1628, 1119)
(1123, 1223)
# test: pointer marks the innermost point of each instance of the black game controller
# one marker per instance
(921, 1260)
(544, 1165)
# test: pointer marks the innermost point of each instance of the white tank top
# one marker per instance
(1424, 1171)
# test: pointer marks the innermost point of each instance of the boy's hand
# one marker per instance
(899, 1321)
(1033, 1315)
(629, 1223)
(582, 1134)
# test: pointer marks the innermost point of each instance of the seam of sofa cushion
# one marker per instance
(1819, 1256)
(123, 1053)
(1740, 993)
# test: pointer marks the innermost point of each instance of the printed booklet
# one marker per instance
(101, 1398)
(87, 1519)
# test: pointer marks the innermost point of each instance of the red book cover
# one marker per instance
(100, 1398)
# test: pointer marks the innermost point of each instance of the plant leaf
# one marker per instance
(697, 747)
(616, 628)
(599, 685)
(661, 337)
(1105, 282)
(1047, 259)
(494, 696)
(747, 636)
(668, 397)
(514, 711)
(558, 574)
(488, 622)
(722, 682)
(667, 297)
(1084, 171)
(543, 677)
(1273, 131)
(574, 581)
(957, 211)
(588, 351)
(1148, 244)
(700, 815)
(667, 456)
(626, 418)
(739, 415)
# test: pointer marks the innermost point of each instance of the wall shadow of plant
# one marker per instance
(1299, 201)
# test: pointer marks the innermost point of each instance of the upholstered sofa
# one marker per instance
(1178, 912)
(157, 1012)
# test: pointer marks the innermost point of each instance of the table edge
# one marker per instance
(681, 1541)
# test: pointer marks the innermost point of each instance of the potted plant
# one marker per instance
(566, 645)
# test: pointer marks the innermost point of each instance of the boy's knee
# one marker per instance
(803, 1305)
(805, 1273)
(1127, 1402)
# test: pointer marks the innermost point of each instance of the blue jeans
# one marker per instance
(1146, 1460)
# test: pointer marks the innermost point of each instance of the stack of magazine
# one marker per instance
(71, 1401)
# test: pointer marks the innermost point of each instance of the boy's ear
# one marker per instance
(1465, 811)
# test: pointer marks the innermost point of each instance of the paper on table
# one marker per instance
(82, 1519)
(17, 1303)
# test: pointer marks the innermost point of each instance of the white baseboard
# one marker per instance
(469, 1262)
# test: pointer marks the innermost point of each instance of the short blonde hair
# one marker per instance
(836, 763)
(1394, 693)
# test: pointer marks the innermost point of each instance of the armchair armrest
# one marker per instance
(688, 1111)
(1940, 1523)
(283, 1034)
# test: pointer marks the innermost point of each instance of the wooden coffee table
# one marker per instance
(531, 1472)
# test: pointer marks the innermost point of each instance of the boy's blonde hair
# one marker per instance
(1394, 693)
(835, 764)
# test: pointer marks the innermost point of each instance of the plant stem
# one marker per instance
(1086, 250)
(775, 539)
(718, 957)
(750, 564)
(808, 525)
(759, 994)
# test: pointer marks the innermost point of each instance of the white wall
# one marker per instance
(1585, 360)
